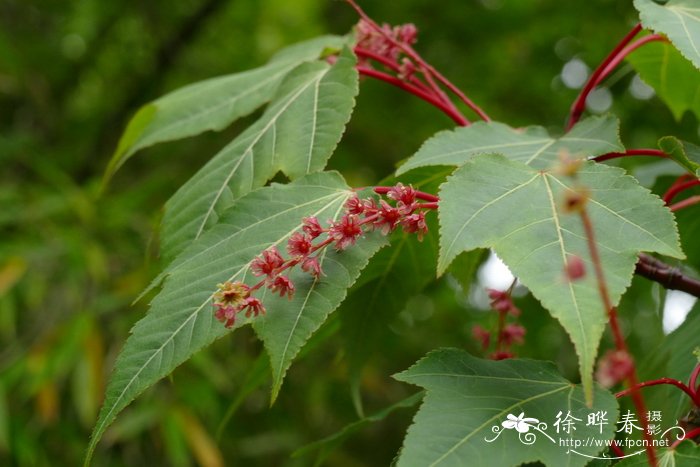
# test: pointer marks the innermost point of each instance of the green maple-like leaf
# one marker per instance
(212, 104)
(515, 209)
(679, 20)
(532, 145)
(674, 79)
(686, 454)
(468, 398)
(687, 155)
(181, 321)
(296, 135)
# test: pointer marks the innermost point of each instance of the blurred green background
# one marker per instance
(71, 75)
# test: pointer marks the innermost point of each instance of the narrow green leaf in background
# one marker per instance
(181, 321)
(296, 135)
(476, 211)
(679, 20)
(532, 145)
(213, 104)
(326, 445)
(466, 397)
(674, 79)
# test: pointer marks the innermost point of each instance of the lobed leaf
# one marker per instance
(181, 321)
(466, 397)
(477, 209)
(679, 20)
(296, 135)
(590, 137)
(212, 104)
(686, 454)
(687, 155)
(674, 79)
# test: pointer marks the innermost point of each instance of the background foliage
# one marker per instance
(72, 73)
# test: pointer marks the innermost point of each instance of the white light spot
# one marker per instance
(599, 100)
(574, 73)
(494, 274)
(641, 90)
(73, 46)
(677, 306)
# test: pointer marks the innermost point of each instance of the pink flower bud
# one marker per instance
(575, 268)
(613, 368)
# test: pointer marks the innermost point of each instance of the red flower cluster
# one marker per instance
(507, 334)
(384, 44)
(361, 215)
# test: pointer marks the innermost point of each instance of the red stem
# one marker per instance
(677, 188)
(685, 203)
(412, 54)
(580, 103)
(693, 380)
(458, 118)
(626, 51)
(618, 451)
(620, 344)
(382, 190)
(673, 382)
(360, 52)
(689, 435)
(499, 329)
(630, 152)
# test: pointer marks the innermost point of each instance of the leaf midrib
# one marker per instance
(248, 150)
(193, 314)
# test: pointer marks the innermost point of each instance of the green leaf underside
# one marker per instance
(686, 454)
(532, 145)
(674, 79)
(329, 443)
(687, 155)
(296, 135)
(467, 396)
(181, 321)
(477, 209)
(677, 19)
(212, 104)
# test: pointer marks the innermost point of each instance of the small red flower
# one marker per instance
(501, 355)
(254, 307)
(482, 336)
(299, 245)
(389, 217)
(231, 294)
(415, 223)
(575, 269)
(354, 205)
(502, 302)
(369, 206)
(311, 226)
(345, 231)
(613, 368)
(226, 314)
(402, 193)
(312, 266)
(283, 285)
(513, 333)
(265, 264)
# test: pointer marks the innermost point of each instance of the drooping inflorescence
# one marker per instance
(507, 334)
(403, 207)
